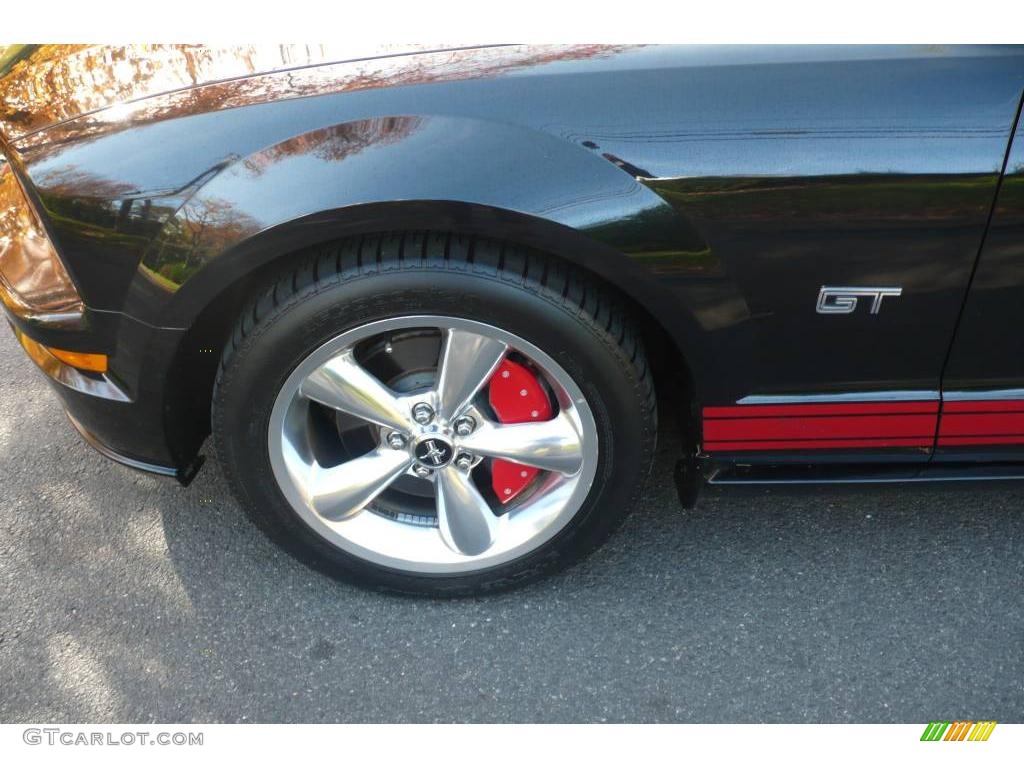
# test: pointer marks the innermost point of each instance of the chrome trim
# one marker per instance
(844, 397)
(923, 478)
(846, 474)
(984, 394)
(845, 298)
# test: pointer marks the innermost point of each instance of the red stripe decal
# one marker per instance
(980, 424)
(821, 409)
(903, 424)
(819, 426)
(813, 445)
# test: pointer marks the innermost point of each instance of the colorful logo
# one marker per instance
(960, 730)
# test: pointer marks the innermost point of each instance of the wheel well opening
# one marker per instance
(197, 359)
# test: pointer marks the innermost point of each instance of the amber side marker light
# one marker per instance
(83, 361)
(44, 356)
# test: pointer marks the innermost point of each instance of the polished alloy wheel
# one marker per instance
(390, 442)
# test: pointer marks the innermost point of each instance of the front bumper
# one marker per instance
(183, 476)
(123, 413)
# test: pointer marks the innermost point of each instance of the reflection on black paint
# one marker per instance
(735, 182)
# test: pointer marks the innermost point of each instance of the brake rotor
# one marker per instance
(516, 396)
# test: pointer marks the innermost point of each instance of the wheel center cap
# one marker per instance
(434, 452)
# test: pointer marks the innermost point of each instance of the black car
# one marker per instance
(428, 302)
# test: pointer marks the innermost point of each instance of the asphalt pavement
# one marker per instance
(126, 598)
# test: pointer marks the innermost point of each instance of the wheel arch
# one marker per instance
(373, 175)
(217, 305)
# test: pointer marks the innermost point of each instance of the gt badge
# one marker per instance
(843, 301)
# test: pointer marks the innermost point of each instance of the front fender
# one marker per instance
(413, 172)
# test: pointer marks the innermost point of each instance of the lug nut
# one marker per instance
(465, 426)
(422, 413)
(396, 440)
(464, 461)
(422, 471)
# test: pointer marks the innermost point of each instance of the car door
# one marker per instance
(840, 206)
(983, 386)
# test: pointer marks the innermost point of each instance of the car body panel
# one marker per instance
(988, 353)
(985, 371)
(720, 188)
(47, 85)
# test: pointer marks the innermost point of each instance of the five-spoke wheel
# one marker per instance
(419, 496)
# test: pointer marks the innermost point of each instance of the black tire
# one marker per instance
(337, 287)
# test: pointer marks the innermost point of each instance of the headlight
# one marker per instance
(33, 281)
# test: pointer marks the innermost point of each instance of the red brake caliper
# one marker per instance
(516, 396)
